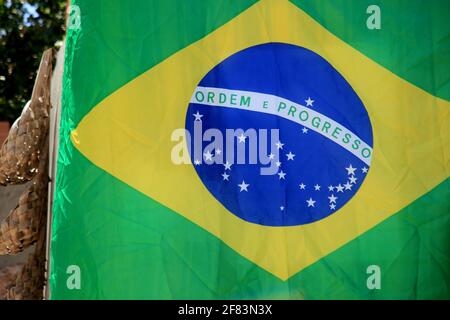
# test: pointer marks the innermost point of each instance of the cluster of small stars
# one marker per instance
(244, 187)
(340, 188)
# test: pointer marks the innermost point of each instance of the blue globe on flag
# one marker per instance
(296, 140)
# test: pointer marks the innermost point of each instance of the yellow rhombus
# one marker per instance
(128, 134)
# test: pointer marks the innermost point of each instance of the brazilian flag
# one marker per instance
(250, 149)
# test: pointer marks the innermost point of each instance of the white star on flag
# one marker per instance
(218, 151)
(332, 206)
(279, 145)
(317, 187)
(281, 174)
(227, 166)
(310, 202)
(281, 208)
(242, 138)
(302, 186)
(353, 179)
(208, 156)
(350, 170)
(330, 188)
(304, 130)
(364, 170)
(197, 162)
(225, 176)
(309, 102)
(348, 186)
(271, 156)
(290, 156)
(278, 163)
(332, 198)
(339, 188)
(198, 116)
(243, 186)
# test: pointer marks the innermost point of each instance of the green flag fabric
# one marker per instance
(358, 204)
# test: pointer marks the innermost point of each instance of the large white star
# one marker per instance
(317, 187)
(350, 170)
(290, 156)
(302, 186)
(208, 156)
(330, 188)
(348, 186)
(353, 179)
(339, 188)
(243, 186)
(279, 145)
(281, 174)
(309, 102)
(198, 116)
(225, 176)
(332, 198)
(227, 166)
(241, 138)
(310, 202)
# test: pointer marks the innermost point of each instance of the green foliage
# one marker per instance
(27, 28)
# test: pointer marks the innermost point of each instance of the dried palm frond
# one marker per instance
(29, 282)
(20, 228)
(20, 152)
(8, 276)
